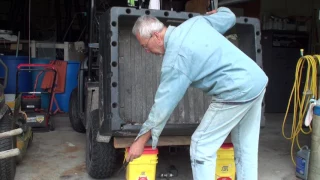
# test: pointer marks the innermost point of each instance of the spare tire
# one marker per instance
(100, 157)
(74, 113)
(8, 165)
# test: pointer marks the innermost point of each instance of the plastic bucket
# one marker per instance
(225, 166)
(144, 167)
(12, 62)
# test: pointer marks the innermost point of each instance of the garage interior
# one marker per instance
(62, 38)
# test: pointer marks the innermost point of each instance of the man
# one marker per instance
(197, 54)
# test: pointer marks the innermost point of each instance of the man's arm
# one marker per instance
(222, 20)
(173, 86)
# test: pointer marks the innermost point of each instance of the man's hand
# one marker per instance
(137, 147)
(211, 12)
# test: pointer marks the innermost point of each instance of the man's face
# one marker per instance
(153, 44)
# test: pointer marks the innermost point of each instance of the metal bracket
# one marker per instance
(104, 139)
(109, 116)
(109, 75)
(3, 111)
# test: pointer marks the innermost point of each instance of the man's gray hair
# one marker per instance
(146, 25)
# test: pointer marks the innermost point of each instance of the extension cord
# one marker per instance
(301, 104)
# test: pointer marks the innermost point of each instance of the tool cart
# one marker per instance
(38, 118)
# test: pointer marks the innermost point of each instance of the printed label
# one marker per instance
(143, 176)
(31, 119)
(30, 106)
(301, 165)
(225, 168)
(224, 178)
(38, 119)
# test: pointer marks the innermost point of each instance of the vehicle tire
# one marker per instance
(100, 157)
(52, 125)
(74, 114)
(8, 165)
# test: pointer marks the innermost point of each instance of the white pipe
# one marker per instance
(11, 133)
(9, 153)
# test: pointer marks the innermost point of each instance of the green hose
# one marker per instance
(131, 2)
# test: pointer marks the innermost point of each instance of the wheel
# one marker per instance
(75, 118)
(100, 157)
(8, 165)
(23, 143)
(52, 125)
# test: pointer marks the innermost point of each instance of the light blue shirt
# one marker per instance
(198, 55)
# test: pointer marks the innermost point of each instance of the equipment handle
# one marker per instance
(5, 73)
(35, 65)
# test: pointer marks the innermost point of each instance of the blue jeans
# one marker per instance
(243, 121)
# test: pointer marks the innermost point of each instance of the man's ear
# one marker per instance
(158, 38)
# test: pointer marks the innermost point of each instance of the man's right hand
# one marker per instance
(136, 150)
(137, 147)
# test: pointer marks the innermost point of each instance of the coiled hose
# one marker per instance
(300, 99)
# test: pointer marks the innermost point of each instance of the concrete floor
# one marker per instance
(61, 155)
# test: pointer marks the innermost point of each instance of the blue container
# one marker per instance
(316, 110)
(71, 83)
(25, 83)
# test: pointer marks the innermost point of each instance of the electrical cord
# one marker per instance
(301, 104)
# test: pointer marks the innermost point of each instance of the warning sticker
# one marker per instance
(31, 119)
(143, 176)
(38, 119)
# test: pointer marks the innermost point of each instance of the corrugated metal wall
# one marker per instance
(139, 74)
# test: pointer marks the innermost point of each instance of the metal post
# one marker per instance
(91, 21)
(66, 51)
(29, 50)
(33, 49)
(314, 166)
(18, 44)
(215, 4)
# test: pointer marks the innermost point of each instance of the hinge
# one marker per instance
(109, 116)
(109, 75)
(3, 111)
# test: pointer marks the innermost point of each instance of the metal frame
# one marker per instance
(71, 50)
(49, 123)
(108, 88)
